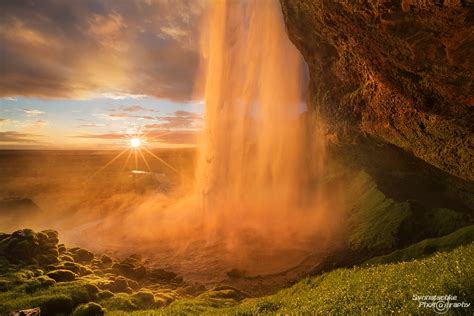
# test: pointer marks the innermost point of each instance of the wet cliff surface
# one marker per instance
(399, 71)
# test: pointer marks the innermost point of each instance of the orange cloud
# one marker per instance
(64, 49)
(17, 137)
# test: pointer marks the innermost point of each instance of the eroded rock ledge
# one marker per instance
(401, 71)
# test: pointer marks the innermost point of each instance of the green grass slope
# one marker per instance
(427, 247)
(372, 290)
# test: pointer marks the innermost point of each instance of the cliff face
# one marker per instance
(399, 70)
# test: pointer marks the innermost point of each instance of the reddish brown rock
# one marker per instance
(401, 71)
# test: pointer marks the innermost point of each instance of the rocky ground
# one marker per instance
(37, 271)
(37, 274)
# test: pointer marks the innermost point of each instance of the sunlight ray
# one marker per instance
(126, 161)
(165, 163)
(106, 165)
(136, 159)
(144, 159)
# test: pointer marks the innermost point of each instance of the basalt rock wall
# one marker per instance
(400, 71)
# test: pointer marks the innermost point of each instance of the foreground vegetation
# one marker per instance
(37, 272)
(374, 290)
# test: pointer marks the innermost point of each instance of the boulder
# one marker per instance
(89, 309)
(61, 275)
(81, 255)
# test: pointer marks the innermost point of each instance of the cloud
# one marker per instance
(160, 136)
(17, 137)
(33, 112)
(101, 136)
(135, 108)
(75, 49)
(183, 120)
(39, 124)
(174, 137)
(92, 125)
(122, 116)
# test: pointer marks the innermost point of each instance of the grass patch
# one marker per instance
(59, 298)
(375, 219)
(428, 247)
(368, 290)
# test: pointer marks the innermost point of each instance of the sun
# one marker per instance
(135, 143)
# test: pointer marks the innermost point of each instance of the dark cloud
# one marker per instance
(53, 48)
(16, 137)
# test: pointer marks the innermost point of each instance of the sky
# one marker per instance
(93, 73)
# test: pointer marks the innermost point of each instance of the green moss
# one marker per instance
(375, 219)
(445, 221)
(373, 290)
(38, 283)
(89, 309)
(144, 299)
(428, 247)
(61, 275)
(53, 305)
(121, 302)
(81, 255)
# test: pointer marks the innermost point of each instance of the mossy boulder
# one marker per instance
(54, 305)
(121, 302)
(62, 275)
(39, 283)
(161, 275)
(92, 290)
(144, 299)
(81, 255)
(121, 284)
(26, 247)
(66, 258)
(106, 260)
(105, 294)
(89, 309)
(131, 268)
